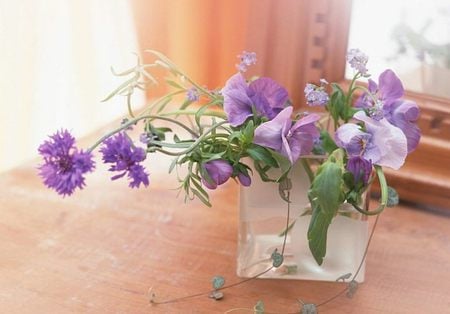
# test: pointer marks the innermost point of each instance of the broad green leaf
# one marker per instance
(326, 194)
(283, 163)
(260, 153)
(337, 102)
(328, 143)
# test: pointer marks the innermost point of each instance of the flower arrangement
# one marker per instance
(249, 128)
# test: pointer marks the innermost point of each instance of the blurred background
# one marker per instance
(57, 54)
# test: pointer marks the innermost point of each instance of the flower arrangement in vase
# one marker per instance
(248, 131)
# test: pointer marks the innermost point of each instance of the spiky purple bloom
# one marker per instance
(357, 60)
(381, 142)
(404, 115)
(192, 94)
(263, 96)
(64, 165)
(360, 168)
(292, 141)
(125, 158)
(218, 171)
(246, 60)
(315, 95)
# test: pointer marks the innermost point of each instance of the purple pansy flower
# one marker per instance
(219, 171)
(360, 168)
(357, 60)
(290, 140)
(64, 165)
(403, 114)
(125, 158)
(388, 90)
(382, 143)
(263, 96)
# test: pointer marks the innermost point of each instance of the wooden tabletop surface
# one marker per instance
(101, 250)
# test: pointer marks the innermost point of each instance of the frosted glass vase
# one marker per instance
(263, 218)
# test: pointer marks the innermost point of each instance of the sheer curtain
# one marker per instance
(55, 69)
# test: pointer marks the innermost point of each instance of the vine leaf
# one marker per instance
(352, 287)
(325, 195)
(259, 307)
(218, 282)
(277, 258)
(309, 308)
(393, 198)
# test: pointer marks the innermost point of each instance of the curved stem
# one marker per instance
(384, 195)
(308, 170)
(133, 121)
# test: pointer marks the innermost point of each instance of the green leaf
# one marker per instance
(336, 105)
(259, 307)
(260, 153)
(174, 84)
(218, 282)
(328, 143)
(277, 259)
(248, 133)
(326, 194)
(201, 197)
(283, 163)
(393, 198)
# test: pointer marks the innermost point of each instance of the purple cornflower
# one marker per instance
(263, 96)
(64, 165)
(358, 60)
(192, 94)
(360, 168)
(247, 59)
(315, 95)
(381, 143)
(125, 158)
(290, 140)
(217, 172)
(404, 115)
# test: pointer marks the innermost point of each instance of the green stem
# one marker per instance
(133, 121)
(364, 89)
(384, 195)
(308, 169)
(210, 113)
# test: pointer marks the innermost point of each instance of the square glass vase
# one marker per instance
(262, 220)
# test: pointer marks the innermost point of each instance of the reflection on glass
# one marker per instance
(410, 37)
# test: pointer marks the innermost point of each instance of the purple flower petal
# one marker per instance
(388, 140)
(219, 171)
(292, 141)
(236, 103)
(64, 165)
(124, 157)
(268, 96)
(404, 115)
(360, 168)
(244, 179)
(390, 87)
(269, 134)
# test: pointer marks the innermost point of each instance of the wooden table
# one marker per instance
(101, 250)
